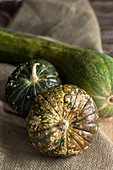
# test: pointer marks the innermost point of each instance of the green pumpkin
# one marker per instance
(62, 121)
(89, 70)
(28, 80)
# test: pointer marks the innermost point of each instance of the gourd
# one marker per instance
(62, 121)
(28, 80)
(90, 70)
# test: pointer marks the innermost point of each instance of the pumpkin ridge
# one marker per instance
(48, 121)
(56, 90)
(73, 114)
(45, 95)
(34, 90)
(63, 102)
(47, 136)
(50, 75)
(77, 91)
(56, 147)
(78, 105)
(79, 120)
(75, 140)
(39, 86)
(45, 79)
(63, 145)
(74, 130)
(44, 69)
(52, 95)
(16, 90)
(37, 131)
(80, 126)
(17, 97)
(91, 123)
(55, 150)
(56, 98)
(73, 105)
(80, 112)
(84, 130)
(53, 116)
(67, 100)
(89, 99)
(60, 144)
(87, 142)
(50, 106)
(24, 97)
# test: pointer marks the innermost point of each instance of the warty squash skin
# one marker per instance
(27, 81)
(62, 121)
(89, 70)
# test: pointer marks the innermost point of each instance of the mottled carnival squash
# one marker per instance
(90, 70)
(28, 80)
(62, 121)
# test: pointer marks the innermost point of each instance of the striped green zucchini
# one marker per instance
(90, 70)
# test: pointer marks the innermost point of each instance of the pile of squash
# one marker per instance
(62, 91)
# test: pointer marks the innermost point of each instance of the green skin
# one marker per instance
(27, 81)
(90, 70)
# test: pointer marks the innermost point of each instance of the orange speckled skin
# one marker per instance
(62, 121)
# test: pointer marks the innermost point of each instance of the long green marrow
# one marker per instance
(88, 69)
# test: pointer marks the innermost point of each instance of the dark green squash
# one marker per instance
(28, 80)
(62, 121)
(90, 70)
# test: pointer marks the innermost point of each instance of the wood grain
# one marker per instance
(107, 126)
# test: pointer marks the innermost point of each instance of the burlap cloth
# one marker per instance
(72, 22)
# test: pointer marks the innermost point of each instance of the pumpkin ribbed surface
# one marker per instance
(62, 121)
(28, 80)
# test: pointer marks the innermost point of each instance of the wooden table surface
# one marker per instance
(106, 125)
(104, 13)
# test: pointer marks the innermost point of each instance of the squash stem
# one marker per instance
(64, 124)
(34, 78)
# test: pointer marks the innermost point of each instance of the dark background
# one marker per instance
(104, 13)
